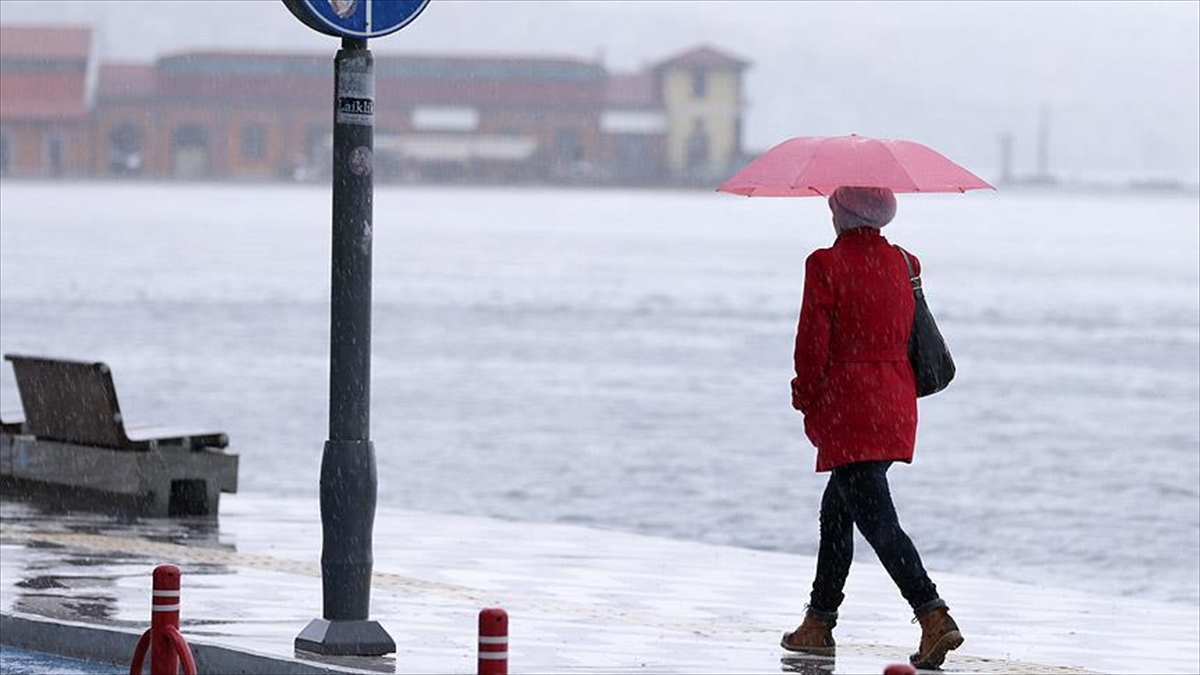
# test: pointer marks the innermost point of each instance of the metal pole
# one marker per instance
(350, 334)
(348, 479)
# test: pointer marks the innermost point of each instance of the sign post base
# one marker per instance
(345, 638)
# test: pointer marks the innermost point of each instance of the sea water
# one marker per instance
(621, 359)
(22, 662)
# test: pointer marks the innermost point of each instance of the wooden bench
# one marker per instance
(73, 436)
(11, 422)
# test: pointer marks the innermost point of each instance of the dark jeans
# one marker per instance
(858, 494)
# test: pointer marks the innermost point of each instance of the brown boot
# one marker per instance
(939, 635)
(813, 636)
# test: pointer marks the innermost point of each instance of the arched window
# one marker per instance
(125, 149)
(254, 141)
(189, 152)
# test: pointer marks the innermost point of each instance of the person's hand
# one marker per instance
(797, 401)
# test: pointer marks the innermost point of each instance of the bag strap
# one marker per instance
(913, 277)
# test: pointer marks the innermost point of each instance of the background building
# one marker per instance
(47, 81)
(701, 94)
(227, 115)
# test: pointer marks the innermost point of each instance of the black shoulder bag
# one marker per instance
(931, 362)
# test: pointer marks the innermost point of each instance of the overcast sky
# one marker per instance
(1121, 80)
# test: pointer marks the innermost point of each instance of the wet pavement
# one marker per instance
(579, 600)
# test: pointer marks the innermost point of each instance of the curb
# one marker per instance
(115, 646)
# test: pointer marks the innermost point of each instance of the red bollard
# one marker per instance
(900, 669)
(493, 641)
(164, 641)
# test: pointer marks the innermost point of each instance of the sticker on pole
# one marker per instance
(360, 161)
(355, 92)
(356, 18)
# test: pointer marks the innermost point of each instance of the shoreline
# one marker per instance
(1133, 187)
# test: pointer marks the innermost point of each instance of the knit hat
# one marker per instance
(862, 207)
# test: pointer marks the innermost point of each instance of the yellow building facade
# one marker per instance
(702, 97)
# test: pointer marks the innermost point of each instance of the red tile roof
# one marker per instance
(42, 96)
(45, 44)
(703, 57)
(634, 90)
(29, 90)
(126, 80)
(402, 66)
(219, 77)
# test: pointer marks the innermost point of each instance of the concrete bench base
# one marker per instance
(165, 481)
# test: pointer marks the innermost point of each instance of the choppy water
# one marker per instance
(621, 359)
(22, 662)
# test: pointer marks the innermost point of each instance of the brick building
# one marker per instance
(47, 81)
(227, 115)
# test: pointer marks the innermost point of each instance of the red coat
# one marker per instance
(853, 380)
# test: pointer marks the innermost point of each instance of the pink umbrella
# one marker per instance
(816, 166)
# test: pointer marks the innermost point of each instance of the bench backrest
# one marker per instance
(69, 401)
(11, 422)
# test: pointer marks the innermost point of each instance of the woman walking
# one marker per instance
(855, 387)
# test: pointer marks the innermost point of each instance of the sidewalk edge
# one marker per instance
(115, 646)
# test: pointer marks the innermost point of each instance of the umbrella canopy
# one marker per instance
(816, 166)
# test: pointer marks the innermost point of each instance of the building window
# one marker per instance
(636, 159)
(699, 83)
(125, 149)
(568, 146)
(254, 141)
(52, 154)
(6, 153)
(697, 146)
(189, 152)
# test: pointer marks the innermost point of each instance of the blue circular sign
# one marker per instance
(356, 18)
